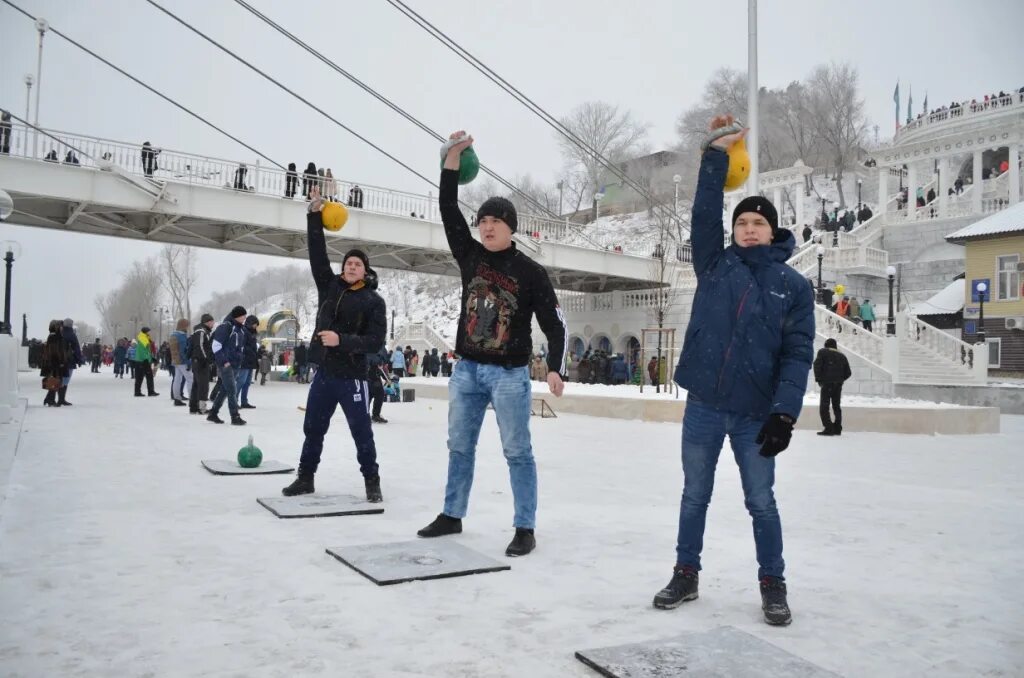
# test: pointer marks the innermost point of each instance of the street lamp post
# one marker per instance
(859, 183)
(392, 324)
(675, 205)
(821, 255)
(982, 289)
(28, 109)
(41, 26)
(9, 259)
(561, 185)
(890, 324)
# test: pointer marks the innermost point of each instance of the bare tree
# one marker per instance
(616, 134)
(130, 306)
(180, 270)
(838, 115)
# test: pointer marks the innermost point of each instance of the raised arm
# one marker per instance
(706, 224)
(316, 241)
(460, 240)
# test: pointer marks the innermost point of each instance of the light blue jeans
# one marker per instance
(704, 431)
(472, 387)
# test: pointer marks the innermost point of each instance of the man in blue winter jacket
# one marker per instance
(228, 344)
(745, 361)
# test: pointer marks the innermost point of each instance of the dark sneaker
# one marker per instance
(773, 601)
(826, 432)
(237, 421)
(837, 430)
(682, 588)
(441, 526)
(303, 484)
(212, 416)
(378, 420)
(246, 406)
(180, 403)
(522, 543)
(153, 394)
(373, 494)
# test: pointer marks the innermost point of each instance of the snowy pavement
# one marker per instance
(121, 556)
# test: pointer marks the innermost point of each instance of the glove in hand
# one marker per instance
(775, 434)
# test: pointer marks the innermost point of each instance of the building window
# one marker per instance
(1007, 278)
(995, 349)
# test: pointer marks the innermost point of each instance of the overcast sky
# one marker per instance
(651, 56)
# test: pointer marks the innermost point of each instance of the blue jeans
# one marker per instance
(325, 394)
(226, 376)
(472, 387)
(244, 380)
(704, 431)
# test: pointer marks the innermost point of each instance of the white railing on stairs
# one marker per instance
(850, 336)
(969, 360)
(422, 331)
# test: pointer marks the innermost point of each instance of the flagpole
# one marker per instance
(752, 114)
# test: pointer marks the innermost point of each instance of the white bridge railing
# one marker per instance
(166, 165)
(978, 110)
(969, 360)
(422, 331)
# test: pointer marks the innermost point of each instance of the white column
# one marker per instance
(777, 201)
(976, 188)
(798, 195)
(911, 190)
(1014, 173)
(883, 188)
(944, 186)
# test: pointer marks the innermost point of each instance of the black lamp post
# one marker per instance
(982, 289)
(821, 256)
(890, 324)
(859, 183)
(24, 329)
(392, 324)
(9, 258)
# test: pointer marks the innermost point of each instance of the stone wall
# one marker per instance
(1009, 400)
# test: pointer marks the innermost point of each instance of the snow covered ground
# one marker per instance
(121, 556)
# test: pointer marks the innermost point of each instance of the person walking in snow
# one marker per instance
(746, 355)
(181, 387)
(351, 324)
(301, 362)
(398, 362)
(264, 361)
(538, 369)
(55, 362)
(228, 344)
(76, 360)
(493, 368)
(145, 358)
(831, 370)
(201, 355)
(250, 361)
(120, 358)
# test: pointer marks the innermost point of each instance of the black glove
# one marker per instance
(775, 434)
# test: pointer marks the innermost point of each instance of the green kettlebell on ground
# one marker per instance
(250, 456)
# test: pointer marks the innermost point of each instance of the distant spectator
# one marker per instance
(330, 186)
(52, 156)
(309, 179)
(867, 315)
(240, 173)
(355, 197)
(291, 181)
(5, 132)
(71, 159)
(149, 154)
(831, 369)
(807, 233)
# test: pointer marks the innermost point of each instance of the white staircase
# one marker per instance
(422, 337)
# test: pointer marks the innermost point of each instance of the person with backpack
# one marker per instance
(201, 355)
(228, 344)
(867, 315)
(250, 361)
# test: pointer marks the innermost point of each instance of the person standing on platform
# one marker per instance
(228, 343)
(181, 387)
(831, 370)
(145, 357)
(201, 354)
(495, 348)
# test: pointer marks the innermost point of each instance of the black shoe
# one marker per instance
(180, 403)
(49, 400)
(214, 418)
(373, 494)
(378, 420)
(246, 406)
(61, 396)
(152, 394)
(682, 588)
(139, 395)
(237, 421)
(303, 484)
(522, 543)
(837, 430)
(441, 526)
(827, 432)
(773, 601)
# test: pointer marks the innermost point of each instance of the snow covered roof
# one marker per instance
(1010, 220)
(949, 300)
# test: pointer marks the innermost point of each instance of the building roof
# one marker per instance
(948, 301)
(1010, 220)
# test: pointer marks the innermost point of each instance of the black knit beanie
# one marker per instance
(762, 206)
(499, 208)
(238, 311)
(206, 318)
(358, 254)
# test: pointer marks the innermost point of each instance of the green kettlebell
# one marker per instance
(250, 456)
(469, 165)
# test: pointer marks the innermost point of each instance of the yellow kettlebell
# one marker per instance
(739, 165)
(333, 215)
(840, 289)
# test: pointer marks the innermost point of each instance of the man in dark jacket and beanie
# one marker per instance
(744, 365)
(228, 344)
(831, 369)
(351, 323)
(201, 344)
(301, 363)
(250, 361)
(502, 289)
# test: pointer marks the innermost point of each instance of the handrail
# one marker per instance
(851, 336)
(967, 111)
(940, 344)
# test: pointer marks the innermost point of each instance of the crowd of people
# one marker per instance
(957, 108)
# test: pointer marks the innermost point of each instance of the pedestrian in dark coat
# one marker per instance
(201, 352)
(831, 369)
(228, 346)
(55, 361)
(291, 181)
(309, 179)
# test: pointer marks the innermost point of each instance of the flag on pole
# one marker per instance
(910, 103)
(896, 100)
